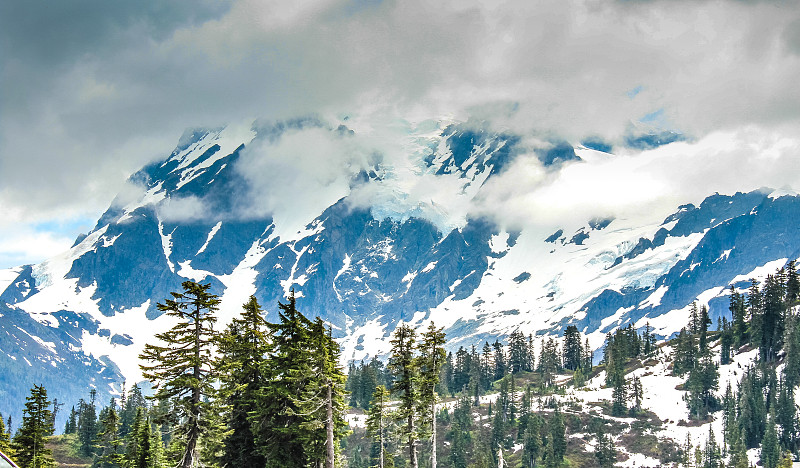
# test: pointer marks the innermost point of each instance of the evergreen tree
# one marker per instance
(558, 440)
(5, 438)
(573, 352)
(180, 368)
(72, 422)
(532, 442)
(739, 314)
(703, 323)
(712, 458)
(108, 443)
(619, 397)
(29, 441)
(499, 361)
(460, 433)
(791, 369)
(725, 342)
(771, 319)
(786, 418)
(770, 450)
(129, 406)
(431, 358)
(404, 367)
(703, 381)
(637, 393)
(242, 348)
(87, 424)
(605, 451)
(792, 284)
(377, 419)
(322, 401)
(752, 407)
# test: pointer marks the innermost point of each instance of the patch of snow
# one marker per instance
(166, 244)
(654, 299)
(762, 271)
(429, 267)
(187, 271)
(499, 242)
(211, 235)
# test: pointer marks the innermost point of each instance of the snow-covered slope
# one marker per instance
(370, 234)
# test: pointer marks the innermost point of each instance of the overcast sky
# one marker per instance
(90, 90)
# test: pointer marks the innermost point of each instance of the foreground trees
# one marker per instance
(37, 423)
(280, 399)
(181, 369)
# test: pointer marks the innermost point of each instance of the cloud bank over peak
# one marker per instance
(93, 90)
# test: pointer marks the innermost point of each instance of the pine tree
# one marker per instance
(431, 358)
(558, 440)
(377, 419)
(703, 323)
(29, 441)
(72, 422)
(242, 348)
(786, 417)
(460, 433)
(738, 312)
(290, 422)
(323, 400)
(108, 443)
(5, 438)
(499, 361)
(605, 452)
(770, 450)
(87, 424)
(532, 442)
(619, 397)
(573, 352)
(637, 392)
(703, 381)
(181, 367)
(129, 406)
(403, 365)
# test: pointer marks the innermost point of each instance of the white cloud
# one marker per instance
(81, 114)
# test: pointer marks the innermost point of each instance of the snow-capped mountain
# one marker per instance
(369, 236)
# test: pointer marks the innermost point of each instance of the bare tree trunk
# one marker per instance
(329, 442)
(412, 443)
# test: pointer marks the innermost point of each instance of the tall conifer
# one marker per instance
(181, 366)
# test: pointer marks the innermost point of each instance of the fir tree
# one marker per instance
(377, 419)
(5, 438)
(29, 441)
(87, 424)
(242, 349)
(72, 422)
(180, 368)
(108, 443)
(573, 352)
(532, 442)
(431, 358)
(738, 312)
(403, 366)
(460, 433)
(558, 440)
(770, 450)
(605, 451)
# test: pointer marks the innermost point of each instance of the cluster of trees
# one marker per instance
(620, 347)
(761, 410)
(396, 431)
(257, 394)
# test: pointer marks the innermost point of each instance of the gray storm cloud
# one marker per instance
(92, 90)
